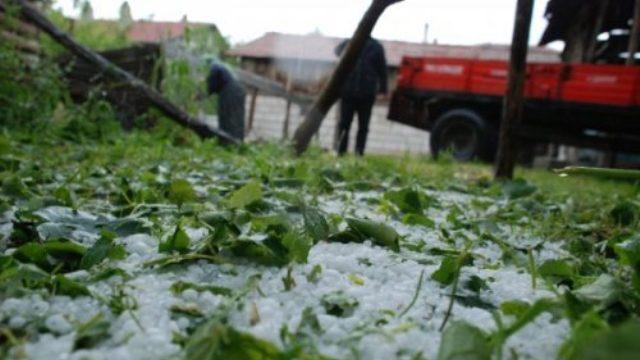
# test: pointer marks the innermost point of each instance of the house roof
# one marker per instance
(321, 48)
(154, 31)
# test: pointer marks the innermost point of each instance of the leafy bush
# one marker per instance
(30, 89)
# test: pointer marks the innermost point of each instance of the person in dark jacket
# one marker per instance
(231, 100)
(366, 81)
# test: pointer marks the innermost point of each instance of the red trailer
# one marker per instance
(460, 102)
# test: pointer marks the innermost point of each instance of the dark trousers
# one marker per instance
(349, 107)
(231, 110)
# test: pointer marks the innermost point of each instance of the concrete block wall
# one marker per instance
(385, 137)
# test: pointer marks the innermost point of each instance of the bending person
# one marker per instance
(231, 100)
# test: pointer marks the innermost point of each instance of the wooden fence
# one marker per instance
(143, 61)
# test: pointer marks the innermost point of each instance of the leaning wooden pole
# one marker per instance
(634, 35)
(34, 16)
(329, 95)
(514, 97)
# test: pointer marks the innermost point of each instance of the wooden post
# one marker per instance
(634, 35)
(252, 110)
(330, 93)
(287, 115)
(34, 16)
(514, 97)
(597, 29)
(336, 131)
(287, 121)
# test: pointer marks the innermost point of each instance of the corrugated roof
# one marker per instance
(321, 48)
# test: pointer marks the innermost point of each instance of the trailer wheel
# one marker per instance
(466, 134)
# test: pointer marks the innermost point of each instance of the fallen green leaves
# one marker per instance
(94, 224)
(362, 229)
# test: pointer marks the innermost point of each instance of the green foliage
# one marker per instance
(246, 195)
(620, 343)
(582, 334)
(103, 248)
(462, 341)
(180, 286)
(181, 191)
(64, 286)
(409, 200)
(179, 241)
(604, 291)
(250, 211)
(339, 304)
(184, 81)
(95, 34)
(447, 271)
(380, 233)
(30, 89)
(91, 333)
(298, 246)
(557, 269)
(625, 213)
(518, 189)
(315, 224)
(213, 340)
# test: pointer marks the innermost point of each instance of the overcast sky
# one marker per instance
(450, 21)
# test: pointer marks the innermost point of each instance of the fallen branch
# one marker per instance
(609, 174)
(34, 16)
(331, 92)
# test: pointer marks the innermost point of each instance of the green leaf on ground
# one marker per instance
(409, 200)
(298, 246)
(65, 286)
(446, 273)
(604, 291)
(556, 269)
(91, 333)
(179, 241)
(181, 192)
(339, 304)
(179, 287)
(246, 195)
(625, 213)
(620, 343)
(380, 233)
(582, 334)
(315, 224)
(418, 219)
(463, 341)
(213, 341)
(103, 248)
(517, 189)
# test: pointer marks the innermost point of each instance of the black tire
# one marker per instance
(466, 134)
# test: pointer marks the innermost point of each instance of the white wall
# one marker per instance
(385, 137)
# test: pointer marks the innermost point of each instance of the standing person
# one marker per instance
(367, 79)
(231, 100)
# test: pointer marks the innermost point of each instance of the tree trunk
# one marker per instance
(601, 14)
(252, 110)
(304, 133)
(514, 98)
(32, 15)
(634, 36)
(578, 37)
